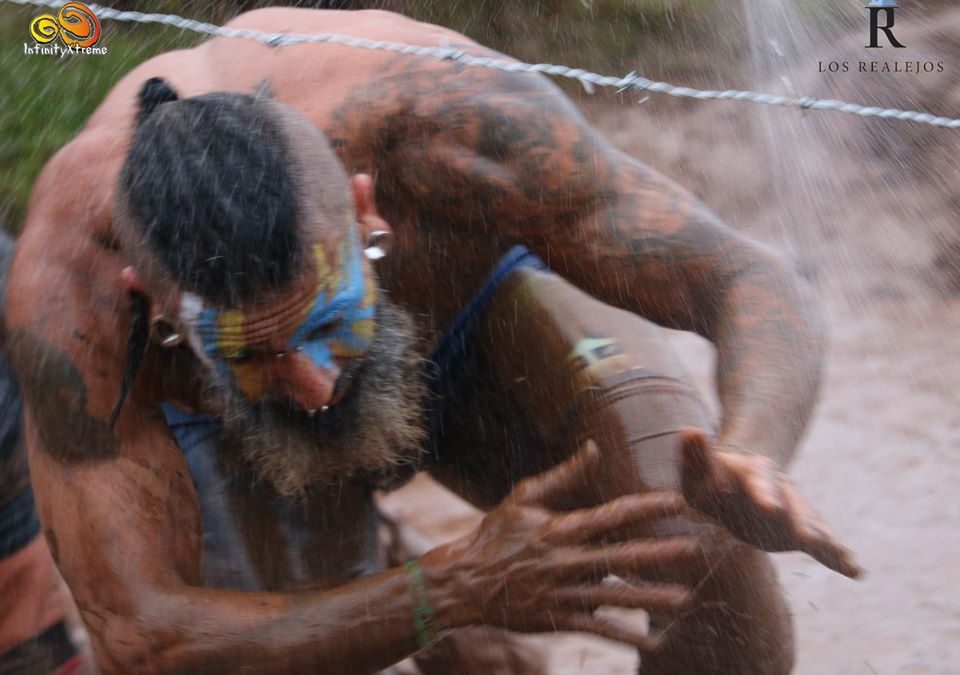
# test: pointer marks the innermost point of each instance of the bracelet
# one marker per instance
(424, 615)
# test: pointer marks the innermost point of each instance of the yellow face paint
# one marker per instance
(334, 318)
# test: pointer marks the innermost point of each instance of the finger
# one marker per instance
(623, 512)
(559, 481)
(667, 599)
(609, 629)
(805, 523)
(644, 557)
(816, 541)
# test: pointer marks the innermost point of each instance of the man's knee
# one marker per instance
(741, 624)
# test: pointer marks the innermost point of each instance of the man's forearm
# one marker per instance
(770, 341)
(659, 253)
(360, 627)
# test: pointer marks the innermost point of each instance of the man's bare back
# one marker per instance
(466, 162)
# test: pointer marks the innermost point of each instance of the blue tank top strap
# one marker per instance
(448, 368)
(197, 435)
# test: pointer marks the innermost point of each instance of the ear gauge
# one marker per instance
(378, 244)
(164, 332)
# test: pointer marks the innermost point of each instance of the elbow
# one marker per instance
(776, 285)
(796, 287)
(767, 306)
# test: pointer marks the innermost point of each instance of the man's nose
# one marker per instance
(295, 376)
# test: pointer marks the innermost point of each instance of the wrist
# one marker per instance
(444, 579)
(773, 440)
(425, 620)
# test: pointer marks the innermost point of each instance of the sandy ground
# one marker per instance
(869, 210)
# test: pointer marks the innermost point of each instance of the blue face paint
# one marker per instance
(338, 323)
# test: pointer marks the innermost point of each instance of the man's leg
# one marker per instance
(740, 624)
(554, 367)
(633, 398)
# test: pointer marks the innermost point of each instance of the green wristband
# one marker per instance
(424, 615)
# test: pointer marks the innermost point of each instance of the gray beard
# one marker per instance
(376, 429)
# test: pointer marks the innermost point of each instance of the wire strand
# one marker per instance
(590, 80)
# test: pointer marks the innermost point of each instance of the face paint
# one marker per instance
(340, 322)
(336, 320)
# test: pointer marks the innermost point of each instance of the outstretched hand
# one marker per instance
(530, 568)
(758, 503)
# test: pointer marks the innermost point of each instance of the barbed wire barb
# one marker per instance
(589, 80)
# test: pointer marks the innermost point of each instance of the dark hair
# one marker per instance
(208, 181)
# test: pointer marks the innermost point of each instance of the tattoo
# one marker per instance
(498, 159)
(56, 399)
(494, 160)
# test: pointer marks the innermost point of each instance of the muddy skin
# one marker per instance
(466, 163)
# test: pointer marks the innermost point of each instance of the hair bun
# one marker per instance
(154, 92)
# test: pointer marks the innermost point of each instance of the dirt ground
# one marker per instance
(869, 211)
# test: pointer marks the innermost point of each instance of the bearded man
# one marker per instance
(196, 270)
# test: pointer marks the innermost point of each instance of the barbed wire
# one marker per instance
(630, 82)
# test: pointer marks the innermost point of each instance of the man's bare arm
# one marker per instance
(657, 251)
(122, 519)
(507, 157)
(509, 154)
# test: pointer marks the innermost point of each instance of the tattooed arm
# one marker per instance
(510, 154)
(655, 250)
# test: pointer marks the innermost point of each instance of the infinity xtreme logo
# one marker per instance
(75, 24)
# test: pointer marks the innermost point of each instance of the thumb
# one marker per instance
(696, 458)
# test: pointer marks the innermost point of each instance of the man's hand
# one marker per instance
(528, 568)
(759, 504)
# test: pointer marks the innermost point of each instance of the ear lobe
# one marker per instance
(166, 332)
(131, 281)
(363, 196)
(374, 230)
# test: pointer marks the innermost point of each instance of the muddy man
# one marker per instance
(216, 356)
